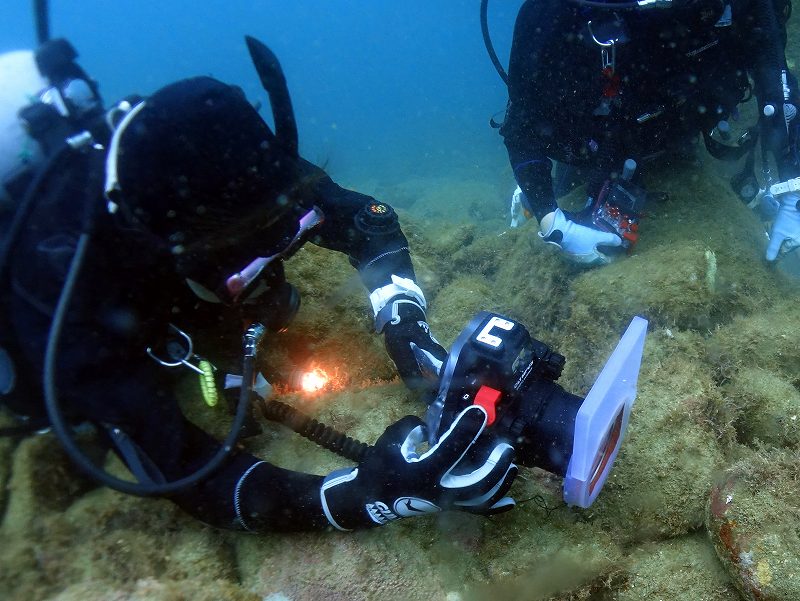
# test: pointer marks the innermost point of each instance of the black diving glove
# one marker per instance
(416, 353)
(393, 482)
(399, 310)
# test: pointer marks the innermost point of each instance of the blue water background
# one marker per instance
(383, 90)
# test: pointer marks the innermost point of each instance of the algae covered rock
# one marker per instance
(752, 519)
(671, 454)
(334, 313)
(769, 407)
(544, 549)
(59, 530)
(457, 303)
(681, 568)
(670, 285)
(156, 590)
(767, 339)
(580, 572)
(377, 564)
(533, 283)
(43, 480)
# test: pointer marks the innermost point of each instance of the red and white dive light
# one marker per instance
(496, 364)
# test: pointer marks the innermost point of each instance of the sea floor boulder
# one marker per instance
(753, 519)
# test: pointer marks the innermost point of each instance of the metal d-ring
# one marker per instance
(180, 361)
(604, 46)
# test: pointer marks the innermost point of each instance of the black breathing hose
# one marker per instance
(487, 41)
(323, 435)
(62, 429)
(41, 13)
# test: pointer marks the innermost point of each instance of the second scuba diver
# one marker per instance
(606, 85)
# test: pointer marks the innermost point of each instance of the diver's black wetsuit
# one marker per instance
(125, 298)
(676, 75)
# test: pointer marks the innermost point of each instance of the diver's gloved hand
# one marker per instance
(785, 233)
(393, 482)
(401, 317)
(579, 243)
(416, 353)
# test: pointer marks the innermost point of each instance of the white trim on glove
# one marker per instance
(335, 478)
(380, 297)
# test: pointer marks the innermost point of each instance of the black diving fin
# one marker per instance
(273, 81)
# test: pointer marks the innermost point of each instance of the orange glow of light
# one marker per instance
(314, 380)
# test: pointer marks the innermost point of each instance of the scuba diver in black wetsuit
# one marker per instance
(607, 85)
(168, 215)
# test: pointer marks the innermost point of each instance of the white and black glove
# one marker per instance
(579, 243)
(785, 233)
(463, 471)
(400, 314)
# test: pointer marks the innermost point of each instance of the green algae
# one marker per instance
(681, 568)
(766, 339)
(155, 590)
(56, 535)
(665, 469)
(769, 408)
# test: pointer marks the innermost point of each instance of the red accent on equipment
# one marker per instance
(612, 82)
(488, 398)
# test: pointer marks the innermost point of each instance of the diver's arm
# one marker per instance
(392, 481)
(369, 233)
(520, 129)
(373, 242)
(256, 496)
(532, 171)
(248, 493)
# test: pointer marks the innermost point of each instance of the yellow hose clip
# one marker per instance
(207, 384)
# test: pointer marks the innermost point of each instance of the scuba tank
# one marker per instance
(37, 141)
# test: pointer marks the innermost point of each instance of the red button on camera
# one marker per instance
(488, 398)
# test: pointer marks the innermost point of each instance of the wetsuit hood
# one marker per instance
(196, 166)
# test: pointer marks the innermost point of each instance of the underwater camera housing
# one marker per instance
(495, 363)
